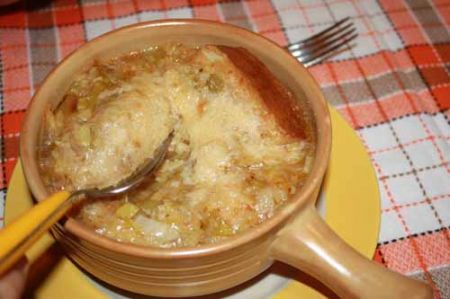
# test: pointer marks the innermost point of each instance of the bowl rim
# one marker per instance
(323, 147)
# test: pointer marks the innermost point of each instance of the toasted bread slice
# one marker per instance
(276, 97)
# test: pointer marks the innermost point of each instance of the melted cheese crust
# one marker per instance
(229, 166)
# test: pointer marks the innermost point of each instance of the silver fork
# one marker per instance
(324, 44)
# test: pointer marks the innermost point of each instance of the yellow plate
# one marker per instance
(352, 209)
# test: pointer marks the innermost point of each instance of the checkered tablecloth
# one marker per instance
(393, 88)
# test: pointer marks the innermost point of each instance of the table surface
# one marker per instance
(393, 87)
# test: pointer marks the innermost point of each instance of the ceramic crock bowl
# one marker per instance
(295, 235)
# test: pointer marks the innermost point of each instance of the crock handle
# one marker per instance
(309, 244)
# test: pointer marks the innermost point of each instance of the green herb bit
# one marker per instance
(215, 83)
(83, 135)
(127, 211)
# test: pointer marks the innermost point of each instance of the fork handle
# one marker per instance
(24, 231)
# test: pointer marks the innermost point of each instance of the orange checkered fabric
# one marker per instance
(393, 87)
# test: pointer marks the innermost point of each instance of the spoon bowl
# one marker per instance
(17, 237)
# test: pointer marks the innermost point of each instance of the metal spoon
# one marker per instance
(24, 231)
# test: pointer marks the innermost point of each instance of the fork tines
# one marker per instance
(325, 43)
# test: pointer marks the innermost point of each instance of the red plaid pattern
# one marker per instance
(393, 87)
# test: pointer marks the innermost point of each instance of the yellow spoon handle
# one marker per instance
(18, 236)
